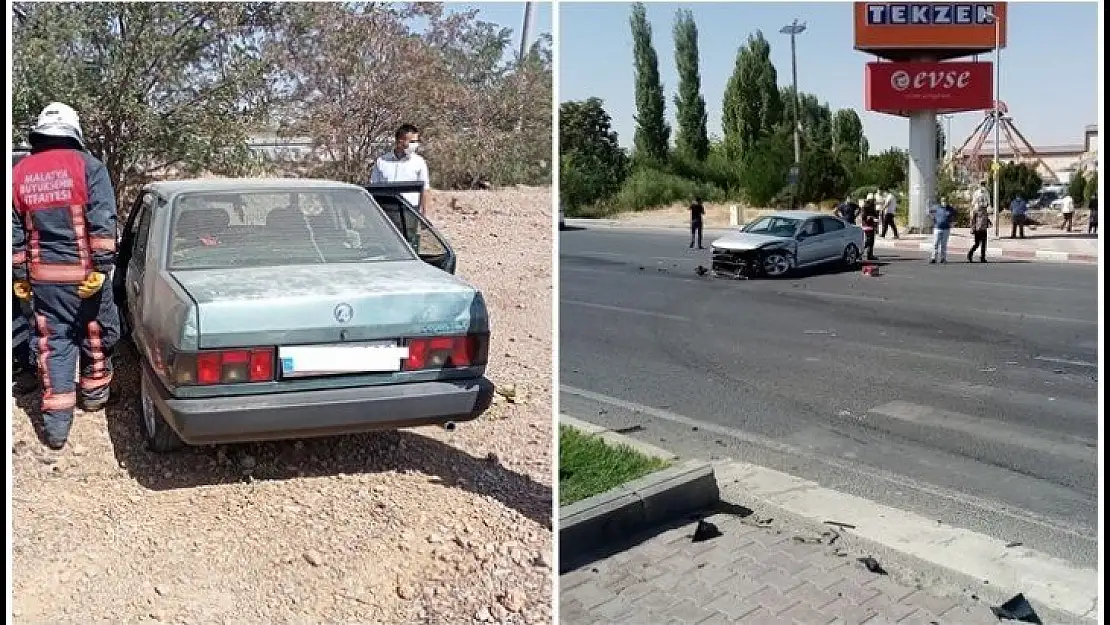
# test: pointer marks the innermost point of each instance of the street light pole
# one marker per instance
(794, 29)
(995, 168)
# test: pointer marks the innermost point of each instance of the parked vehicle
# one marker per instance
(272, 309)
(776, 244)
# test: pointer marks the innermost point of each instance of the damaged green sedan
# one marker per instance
(290, 308)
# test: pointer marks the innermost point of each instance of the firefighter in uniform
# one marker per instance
(63, 256)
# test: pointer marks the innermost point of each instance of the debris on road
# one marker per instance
(1015, 543)
(632, 429)
(841, 525)
(872, 565)
(706, 531)
(701, 271)
(817, 332)
(1016, 609)
(808, 540)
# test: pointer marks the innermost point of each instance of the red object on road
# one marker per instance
(953, 87)
(868, 270)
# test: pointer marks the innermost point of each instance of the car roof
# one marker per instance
(797, 214)
(170, 188)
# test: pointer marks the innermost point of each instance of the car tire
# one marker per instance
(775, 264)
(852, 256)
(159, 436)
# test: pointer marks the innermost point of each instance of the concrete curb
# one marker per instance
(954, 247)
(652, 500)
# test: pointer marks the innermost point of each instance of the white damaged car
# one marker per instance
(776, 244)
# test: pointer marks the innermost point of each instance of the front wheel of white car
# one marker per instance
(776, 264)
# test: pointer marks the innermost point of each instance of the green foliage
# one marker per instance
(652, 138)
(592, 163)
(1077, 186)
(888, 170)
(693, 134)
(822, 177)
(161, 88)
(648, 188)
(765, 168)
(752, 106)
(942, 143)
(815, 118)
(1016, 179)
(1091, 188)
(849, 144)
(716, 170)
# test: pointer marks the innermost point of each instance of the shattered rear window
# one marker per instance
(271, 228)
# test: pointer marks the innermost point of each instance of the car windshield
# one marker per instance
(272, 228)
(773, 226)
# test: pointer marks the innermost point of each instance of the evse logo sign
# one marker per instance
(901, 80)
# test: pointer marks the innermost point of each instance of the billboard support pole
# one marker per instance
(997, 115)
(922, 170)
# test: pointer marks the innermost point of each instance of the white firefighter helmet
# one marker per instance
(59, 120)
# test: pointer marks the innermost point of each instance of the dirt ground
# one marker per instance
(418, 526)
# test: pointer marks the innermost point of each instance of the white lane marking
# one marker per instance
(994, 431)
(620, 309)
(1065, 361)
(626, 274)
(862, 298)
(618, 255)
(1031, 287)
(986, 506)
(1030, 316)
(1052, 581)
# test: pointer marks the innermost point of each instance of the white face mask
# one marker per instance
(411, 148)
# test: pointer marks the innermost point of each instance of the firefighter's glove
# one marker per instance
(91, 286)
(22, 289)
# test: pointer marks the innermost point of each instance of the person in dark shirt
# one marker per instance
(870, 222)
(1092, 220)
(696, 213)
(848, 210)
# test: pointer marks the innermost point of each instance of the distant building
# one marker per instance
(1064, 160)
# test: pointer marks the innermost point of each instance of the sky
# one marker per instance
(509, 15)
(1049, 71)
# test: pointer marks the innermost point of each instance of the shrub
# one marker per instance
(648, 188)
(1077, 186)
(821, 177)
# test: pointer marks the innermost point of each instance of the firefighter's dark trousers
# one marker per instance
(67, 332)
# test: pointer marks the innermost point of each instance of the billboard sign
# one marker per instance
(900, 88)
(967, 27)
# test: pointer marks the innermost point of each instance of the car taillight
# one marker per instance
(223, 367)
(447, 352)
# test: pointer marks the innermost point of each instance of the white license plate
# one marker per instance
(314, 360)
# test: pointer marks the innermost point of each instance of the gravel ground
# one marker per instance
(418, 526)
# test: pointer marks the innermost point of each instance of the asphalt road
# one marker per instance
(962, 392)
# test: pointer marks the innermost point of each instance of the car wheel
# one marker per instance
(159, 436)
(851, 256)
(776, 264)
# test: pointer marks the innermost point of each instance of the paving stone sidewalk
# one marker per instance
(750, 574)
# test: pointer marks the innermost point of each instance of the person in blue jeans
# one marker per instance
(1018, 209)
(943, 215)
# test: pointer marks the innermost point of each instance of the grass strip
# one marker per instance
(588, 465)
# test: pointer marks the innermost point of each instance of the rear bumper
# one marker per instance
(306, 414)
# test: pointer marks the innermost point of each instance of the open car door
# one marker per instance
(428, 243)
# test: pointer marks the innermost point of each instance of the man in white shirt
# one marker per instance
(1067, 209)
(981, 198)
(890, 207)
(403, 164)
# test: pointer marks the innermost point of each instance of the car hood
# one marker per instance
(742, 241)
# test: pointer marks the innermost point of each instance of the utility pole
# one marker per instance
(995, 167)
(794, 29)
(526, 30)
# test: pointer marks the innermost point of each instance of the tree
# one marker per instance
(752, 106)
(849, 144)
(1077, 186)
(822, 177)
(162, 88)
(592, 163)
(1016, 179)
(942, 143)
(815, 118)
(652, 139)
(888, 170)
(765, 167)
(692, 137)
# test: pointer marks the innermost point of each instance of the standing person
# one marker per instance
(697, 211)
(890, 207)
(848, 210)
(1067, 209)
(870, 219)
(980, 223)
(403, 164)
(1018, 210)
(943, 215)
(1092, 219)
(981, 197)
(63, 251)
